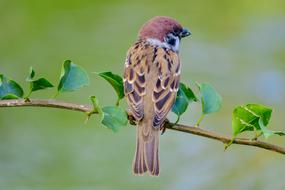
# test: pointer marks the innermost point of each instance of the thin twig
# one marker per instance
(178, 127)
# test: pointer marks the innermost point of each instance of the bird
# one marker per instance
(151, 80)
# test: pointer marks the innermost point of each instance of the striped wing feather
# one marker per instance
(166, 85)
(134, 80)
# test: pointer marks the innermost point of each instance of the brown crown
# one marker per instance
(158, 27)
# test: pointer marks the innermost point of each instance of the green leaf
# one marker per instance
(72, 77)
(266, 132)
(211, 99)
(188, 92)
(253, 117)
(40, 84)
(10, 97)
(116, 81)
(243, 120)
(31, 75)
(9, 89)
(261, 111)
(184, 96)
(114, 117)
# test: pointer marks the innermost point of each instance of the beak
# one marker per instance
(184, 33)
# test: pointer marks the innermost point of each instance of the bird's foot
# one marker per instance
(163, 129)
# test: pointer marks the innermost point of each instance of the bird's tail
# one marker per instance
(146, 156)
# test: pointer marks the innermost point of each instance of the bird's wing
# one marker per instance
(134, 79)
(167, 84)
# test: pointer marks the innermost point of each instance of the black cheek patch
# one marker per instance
(172, 42)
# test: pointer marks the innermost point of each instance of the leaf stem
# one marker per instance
(28, 95)
(177, 120)
(55, 95)
(257, 135)
(94, 106)
(118, 102)
(200, 120)
(227, 145)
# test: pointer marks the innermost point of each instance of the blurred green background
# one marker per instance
(238, 46)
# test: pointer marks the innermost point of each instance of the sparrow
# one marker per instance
(151, 81)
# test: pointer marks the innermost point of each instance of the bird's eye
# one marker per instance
(176, 31)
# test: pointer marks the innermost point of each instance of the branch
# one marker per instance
(178, 127)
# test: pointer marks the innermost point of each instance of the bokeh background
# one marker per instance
(238, 46)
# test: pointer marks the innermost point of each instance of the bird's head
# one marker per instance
(164, 32)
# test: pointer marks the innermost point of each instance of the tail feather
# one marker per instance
(146, 156)
(139, 166)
